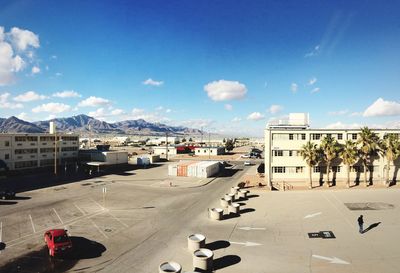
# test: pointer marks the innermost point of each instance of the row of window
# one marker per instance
(286, 153)
(287, 169)
(44, 138)
(315, 136)
(322, 169)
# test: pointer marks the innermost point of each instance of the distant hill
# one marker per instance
(81, 124)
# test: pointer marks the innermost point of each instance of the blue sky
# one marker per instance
(229, 66)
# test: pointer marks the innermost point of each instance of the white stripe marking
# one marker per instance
(79, 209)
(59, 218)
(99, 228)
(33, 226)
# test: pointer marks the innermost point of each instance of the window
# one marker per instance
(339, 136)
(329, 135)
(303, 136)
(66, 149)
(316, 136)
(299, 169)
(25, 164)
(354, 136)
(290, 153)
(7, 156)
(320, 169)
(336, 169)
(25, 151)
(278, 153)
(290, 136)
(278, 169)
(7, 143)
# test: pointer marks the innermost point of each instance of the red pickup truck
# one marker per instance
(57, 241)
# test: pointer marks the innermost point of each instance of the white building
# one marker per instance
(283, 162)
(163, 140)
(209, 150)
(25, 151)
(162, 150)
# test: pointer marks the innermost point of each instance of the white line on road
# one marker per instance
(312, 215)
(333, 260)
(99, 228)
(246, 243)
(98, 204)
(33, 226)
(340, 212)
(122, 223)
(59, 218)
(79, 209)
(251, 228)
(1, 233)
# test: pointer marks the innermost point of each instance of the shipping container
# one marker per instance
(173, 169)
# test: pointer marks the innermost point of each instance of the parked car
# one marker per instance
(245, 156)
(247, 163)
(57, 241)
(6, 194)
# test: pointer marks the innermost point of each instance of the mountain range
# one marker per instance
(83, 124)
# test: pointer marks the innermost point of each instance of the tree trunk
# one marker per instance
(348, 176)
(387, 173)
(365, 173)
(310, 173)
(327, 174)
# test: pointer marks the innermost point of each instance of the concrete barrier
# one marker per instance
(225, 203)
(234, 208)
(203, 259)
(170, 267)
(215, 213)
(196, 241)
(235, 190)
(232, 196)
(243, 193)
(228, 197)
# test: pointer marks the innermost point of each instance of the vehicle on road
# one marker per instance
(245, 156)
(247, 163)
(6, 194)
(57, 241)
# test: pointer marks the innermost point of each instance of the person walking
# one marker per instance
(360, 223)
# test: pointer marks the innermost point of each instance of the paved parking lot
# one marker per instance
(141, 221)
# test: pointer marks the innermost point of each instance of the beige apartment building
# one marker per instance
(26, 151)
(284, 163)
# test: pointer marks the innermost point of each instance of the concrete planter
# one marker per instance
(235, 190)
(196, 241)
(170, 267)
(225, 203)
(232, 196)
(215, 213)
(234, 208)
(228, 197)
(243, 193)
(203, 259)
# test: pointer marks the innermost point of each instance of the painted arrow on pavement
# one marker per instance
(246, 243)
(312, 215)
(333, 260)
(251, 228)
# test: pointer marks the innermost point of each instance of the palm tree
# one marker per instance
(348, 154)
(390, 147)
(369, 146)
(309, 152)
(330, 149)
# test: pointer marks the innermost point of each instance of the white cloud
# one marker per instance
(382, 107)
(29, 96)
(314, 52)
(93, 102)
(5, 104)
(9, 64)
(52, 107)
(152, 82)
(236, 119)
(294, 87)
(315, 90)
(35, 70)
(228, 107)
(255, 116)
(24, 116)
(103, 114)
(50, 117)
(2, 34)
(197, 123)
(168, 110)
(53, 57)
(22, 38)
(338, 113)
(340, 125)
(67, 94)
(137, 111)
(58, 74)
(117, 112)
(312, 81)
(275, 108)
(356, 114)
(225, 90)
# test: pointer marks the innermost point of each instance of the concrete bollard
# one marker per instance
(228, 197)
(225, 203)
(243, 193)
(234, 208)
(196, 241)
(203, 259)
(215, 213)
(232, 196)
(170, 267)
(234, 190)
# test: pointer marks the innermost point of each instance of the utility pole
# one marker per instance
(209, 145)
(201, 134)
(166, 145)
(52, 129)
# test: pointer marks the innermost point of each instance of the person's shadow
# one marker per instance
(374, 225)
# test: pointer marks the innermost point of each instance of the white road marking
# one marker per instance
(1, 233)
(33, 226)
(246, 243)
(102, 232)
(79, 209)
(344, 216)
(98, 204)
(251, 228)
(122, 223)
(333, 260)
(312, 215)
(59, 218)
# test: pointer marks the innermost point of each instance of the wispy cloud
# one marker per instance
(315, 90)
(382, 107)
(338, 113)
(67, 94)
(93, 102)
(313, 52)
(236, 119)
(6, 104)
(52, 107)
(152, 82)
(223, 90)
(255, 116)
(294, 87)
(275, 108)
(228, 107)
(312, 81)
(29, 96)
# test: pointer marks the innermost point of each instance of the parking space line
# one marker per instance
(1, 233)
(33, 226)
(125, 225)
(79, 209)
(340, 212)
(59, 218)
(99, 228)
(103, 208)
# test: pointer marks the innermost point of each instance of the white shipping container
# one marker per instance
(192, 169)
(173, 169)
(207, 169)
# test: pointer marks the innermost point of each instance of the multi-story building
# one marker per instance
(25, 151)
(284, 163)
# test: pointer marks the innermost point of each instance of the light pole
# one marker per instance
(209, 145)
